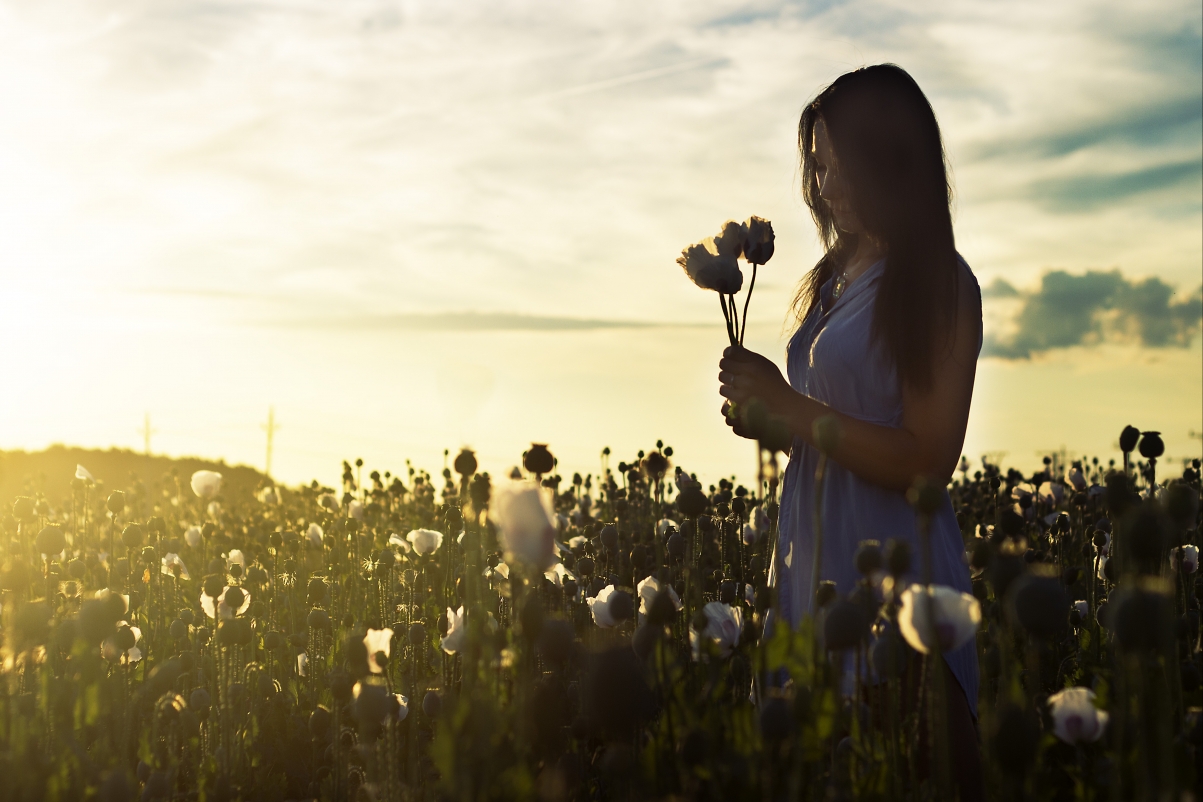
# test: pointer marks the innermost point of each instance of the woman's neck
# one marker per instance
(867, 252)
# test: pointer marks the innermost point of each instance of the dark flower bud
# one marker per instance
(609, 537)
(1128, 438)
(200, 700)
(273, 640)
(676, 546)
(1182, 504)
(1040, 605)
(465, 463)
(432, 704)
(179, 629)
(898, 557)
(825, 594)
(1143, 620)
(621, 606)
(318, 619)
(319, 723)
(691, 501)
(116, 502)
(726, 591)
(316, 592)
(585, 566)
(869, 558)
(76, 569)
(982, 554)
(235, 598)
(845, 625)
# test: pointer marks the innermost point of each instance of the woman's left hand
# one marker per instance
(744, 375)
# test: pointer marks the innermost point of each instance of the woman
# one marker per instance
(888, 337)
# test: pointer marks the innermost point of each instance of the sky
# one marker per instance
(413, 226)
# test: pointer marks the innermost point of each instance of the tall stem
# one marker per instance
(727, 317)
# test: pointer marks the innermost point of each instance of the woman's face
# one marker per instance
(832, 188)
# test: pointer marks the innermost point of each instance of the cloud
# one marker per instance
(1085, 192)
(1087, 309)
(482, 321)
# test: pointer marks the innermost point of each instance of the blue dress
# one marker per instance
(832, 358)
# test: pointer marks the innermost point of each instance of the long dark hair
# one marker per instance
(888, 148)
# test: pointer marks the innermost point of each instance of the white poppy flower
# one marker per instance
(399, 542)
(378, 640)
(557, 574)
(523, 514)
(328, 501)
(663, 525)
(105, 594)
(82, 473)
(1083, 608)
(577, 542)
(457, 633)
(315, 534)
(749, 534)
(710, 270)
(957, 616)
(647, 590)
(1102, 575)
(599, 605)
(206, 484)
(425, 541)
(133, 654)
(269, 495)
(1077, 479)
(171, 562)
(236, 557)
(192, 536)
(502, 570)
(355, 510)
(723, 626)
(1075, 718)
(214, 510)
(1188, 556)
(221, 608)
(302, 665)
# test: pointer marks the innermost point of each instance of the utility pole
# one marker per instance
(270, 427)
(146, 432)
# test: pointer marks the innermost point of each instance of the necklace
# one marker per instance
(839, 285)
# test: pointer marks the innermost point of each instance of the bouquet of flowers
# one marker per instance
(713, 264)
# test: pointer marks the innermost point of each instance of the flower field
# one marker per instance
(536, 636)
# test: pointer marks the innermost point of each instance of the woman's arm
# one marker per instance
(933, 421)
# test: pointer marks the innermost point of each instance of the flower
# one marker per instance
(647, 590)
(956, 614)
(1075, 718)
(523, 514)
(1102, 573)
(302, 664)
(376, 641)
(328, 501)
(315, 534)
(1188, 555)
(355, 510)
(723, 625)
(599, 606)
(1077, 479)
(557, 574)
(269, 495)
(730, 240)
(709, 270)
(82, 474)
(758, 240)
(193, 536)
(664, 524)
(206, 484)
(457, 633)
(174, 566)
(1051, 492)
(425, 541)
(400, 542)
(221, 608)
(236, 557)
(1082, 607)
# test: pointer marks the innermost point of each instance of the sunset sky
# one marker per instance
(411, 226)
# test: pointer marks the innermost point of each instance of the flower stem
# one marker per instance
(747, 300)
(727, 317)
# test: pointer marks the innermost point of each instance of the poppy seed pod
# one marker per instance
(131, 536)
(234, 598)
(538, 460)
(1040, 605)
(691, 501)
(844, 626)
(869, 559)
(432, 704)
(179, 630)
(465, 462)
(1151, 445)
(1143, 619)
(51, 540)
(115, 502)
(609, 537)
(1146, 534)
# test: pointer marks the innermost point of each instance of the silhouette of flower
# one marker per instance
(956, 617)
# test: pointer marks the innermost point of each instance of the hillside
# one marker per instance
(50, 472)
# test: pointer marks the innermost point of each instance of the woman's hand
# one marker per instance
(744, 375)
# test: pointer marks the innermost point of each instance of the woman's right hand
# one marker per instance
(736, 422)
